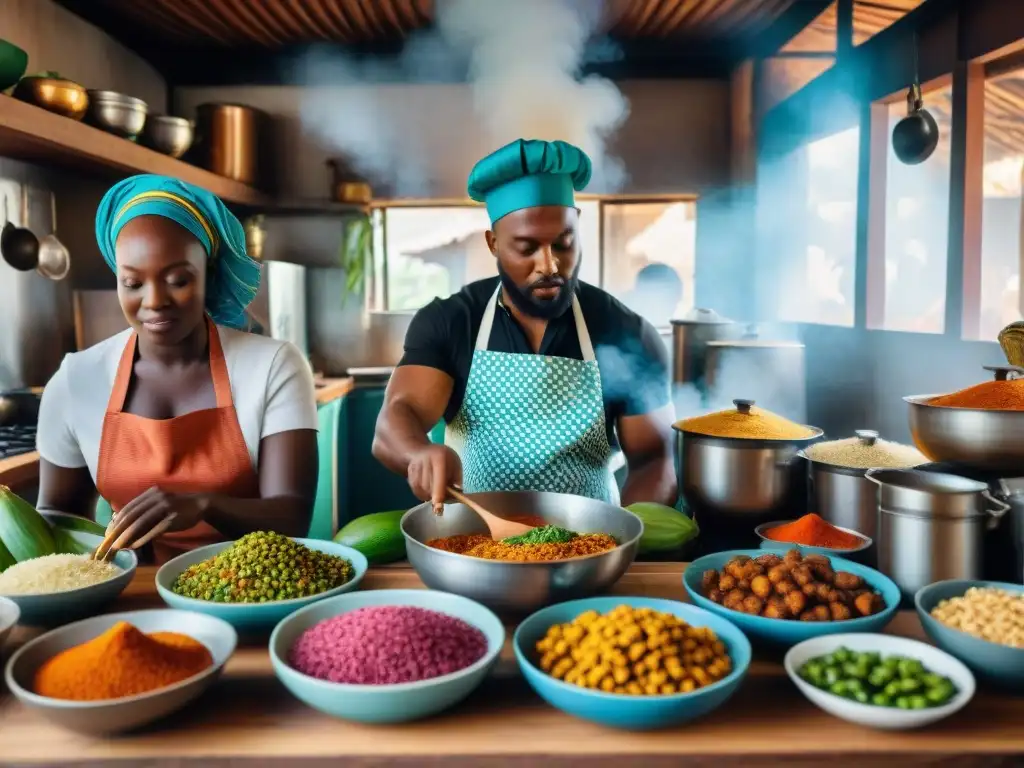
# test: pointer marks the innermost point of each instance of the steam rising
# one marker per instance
(522, 59)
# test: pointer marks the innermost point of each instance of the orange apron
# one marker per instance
(199, 452)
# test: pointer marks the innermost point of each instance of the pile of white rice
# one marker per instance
(55, 573)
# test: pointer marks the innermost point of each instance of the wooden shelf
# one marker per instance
(286, 208)
(32, 134)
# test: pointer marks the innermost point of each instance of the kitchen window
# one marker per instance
(650, 256)
(916, 232)
(427, 251)
(807, 231)
(1001, 254)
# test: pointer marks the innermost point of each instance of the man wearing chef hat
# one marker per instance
(539, 377)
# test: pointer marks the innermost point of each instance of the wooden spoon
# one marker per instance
(500, 528)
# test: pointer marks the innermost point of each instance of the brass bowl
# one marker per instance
(63, 97)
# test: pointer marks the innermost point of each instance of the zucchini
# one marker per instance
(665, 529)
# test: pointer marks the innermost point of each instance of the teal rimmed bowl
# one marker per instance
(251, 617)
(788, 632)
(397, 703)
(999, 665)
(56, 608)
(639, 713)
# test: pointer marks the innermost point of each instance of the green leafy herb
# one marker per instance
(546, 534)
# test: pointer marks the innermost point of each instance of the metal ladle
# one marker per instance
(18, 246)
(54, 259)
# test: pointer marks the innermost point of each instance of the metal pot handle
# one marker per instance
(870, 475)
(995, 513)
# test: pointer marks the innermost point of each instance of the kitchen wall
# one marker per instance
(675, 140)
(35, 313)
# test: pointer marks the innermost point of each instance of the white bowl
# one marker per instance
(9, 615)
(108, 716)
(870, 715)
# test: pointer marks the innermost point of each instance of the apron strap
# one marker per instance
(219, 368)
(483, 336)
(218, 371)
(123, 376)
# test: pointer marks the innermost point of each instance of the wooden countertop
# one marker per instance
(24, 469)
(249, 718)
(328, 390)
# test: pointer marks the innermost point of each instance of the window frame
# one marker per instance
(377, 294)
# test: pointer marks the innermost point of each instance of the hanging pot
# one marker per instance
(916, 136)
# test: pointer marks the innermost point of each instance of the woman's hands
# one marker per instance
(152, 513)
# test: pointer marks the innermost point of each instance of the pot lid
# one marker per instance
(699, 316)
(757, 343)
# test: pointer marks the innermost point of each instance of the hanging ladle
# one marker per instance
(18, 246)
(54, 259)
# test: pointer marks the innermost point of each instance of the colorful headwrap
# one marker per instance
(233, 278)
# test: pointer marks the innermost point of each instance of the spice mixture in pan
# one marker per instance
(485, 547)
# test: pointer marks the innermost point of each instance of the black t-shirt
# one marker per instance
(632, 358)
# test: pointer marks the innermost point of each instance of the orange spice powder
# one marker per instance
(989, 395)
(812, 531)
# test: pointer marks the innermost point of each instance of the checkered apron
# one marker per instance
(533, 422)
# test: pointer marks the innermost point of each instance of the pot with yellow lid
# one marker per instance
(738, 467)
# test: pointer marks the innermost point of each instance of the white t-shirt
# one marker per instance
(271, 385)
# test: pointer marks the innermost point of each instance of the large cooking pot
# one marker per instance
(521, 587)
(981, 439)
(733, 484)
(931, 526)
(844, 496)
(690, 337)
(229, 140)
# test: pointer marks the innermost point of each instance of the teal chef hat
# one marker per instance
(528, 173)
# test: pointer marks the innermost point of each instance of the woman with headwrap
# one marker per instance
(192, 430)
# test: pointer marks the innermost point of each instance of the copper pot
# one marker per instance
(228, 140)
(347, 186)
(55, 95)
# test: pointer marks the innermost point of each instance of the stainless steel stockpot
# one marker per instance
(931, 526)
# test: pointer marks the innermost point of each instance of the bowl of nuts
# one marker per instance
(784, 598)
(979, 622)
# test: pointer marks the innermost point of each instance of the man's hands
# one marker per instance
(431, 470)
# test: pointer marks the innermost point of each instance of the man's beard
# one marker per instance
(545, 309)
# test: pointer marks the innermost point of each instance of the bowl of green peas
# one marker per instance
(880, 681)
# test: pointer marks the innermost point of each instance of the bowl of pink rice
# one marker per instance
(388, 655)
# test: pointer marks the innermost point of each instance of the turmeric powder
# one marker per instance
(989, 395)
(746, 422)
(123, 661)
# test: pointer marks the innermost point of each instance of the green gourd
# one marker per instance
(665, 528)
(378, 536)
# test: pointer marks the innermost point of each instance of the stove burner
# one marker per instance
(16, 440)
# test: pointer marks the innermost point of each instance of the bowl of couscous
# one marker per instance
(979, 622)
(57, 589)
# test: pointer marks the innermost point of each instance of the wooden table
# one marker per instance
(250, 719)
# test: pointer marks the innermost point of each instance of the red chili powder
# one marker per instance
(812, 531)
(385, 645)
